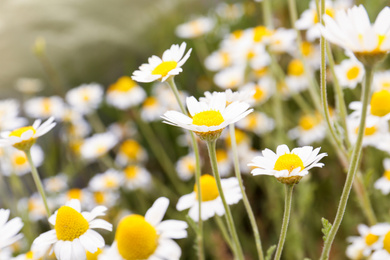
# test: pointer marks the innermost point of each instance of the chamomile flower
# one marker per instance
(163, 68)
(257, 122)
(224, 162)
(242, 139)
(137, 177)
(152, 109)
(349, 72)
(85, 98)
(208, 119)
(231, 96)
(34, 206)
(195, 28)
(381, 80)
(231, 77)
(125, 93)
(374, 133)
(311, 53)
(130, 151)
(149, 238)
(185, 166)
(105, 198)
(262, 90)
(98, 145)
(283, 40)
(383, 183)
(73, 233)
(15, 161)
(84, 196)
(107, 181)
(296, 79)
(23, 138)
(9, 229)
(56, 184)
(382, 249)
(310, 129)
(218, 60)
(9, 110)
(211, 201)
(45, 107)
(231, 12)
(287, 166)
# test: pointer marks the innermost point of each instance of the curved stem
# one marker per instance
(228, 213)
(356, 155)
(288, 189)
(37, 181)
(248, 208)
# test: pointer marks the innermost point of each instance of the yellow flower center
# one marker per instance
(295, 68)
(288, 161)
(70, 224)
(307, 122)
(328, 11)
(18, 132)
(123, 84)
(387, 174)
(208, 186)
(225, 58)
(164, 68)
(380, 103)
(221, 155)
(110, 182)
(259, 93)
(353, 73)
(131, 171)
(260, 32)
(136, 238)
(237, 34)
(20, 159)
(196, 27)
(75, 194)
(130, 148)
(306, 49)
(150, 102)
(385, 85)
(189, 163)
(29, 255)
(261, 72)
(386, 242)
(208, 118)
(371, 239)
(99, 197)
(95, 255)
(46, 105)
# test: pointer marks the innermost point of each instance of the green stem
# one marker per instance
(37, 181)
(228, 214)
(96, 122)
(364, 199)
(225, 234)
(199, 238)
(248, 207)
(286, 217)
(267, 14)
(354, 165)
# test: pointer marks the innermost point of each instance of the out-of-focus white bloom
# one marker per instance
(185, 166)
(231, 12)
(224, 162)
(231, 77)
(382, 248)
(242, 139)
(166, 97)
(130, 151)
(381, 80)
(15, 161)
(218, 60)
(379, 107)
(283, 40)
(34, 206)
(98, 145)
(9, 229)
(9, 110)
(312, 54)
(105, 198)
(56, 184)
(257, 122)
(125, 93)
(85, 98)
(311, 128)
(85, 196)
(349, 72)
(231, 96)
(152, 109)
(137, 177)
(108, 181)
(383, 183)
(45, 107)
(296, 79)
(195, 28)
(262, 90)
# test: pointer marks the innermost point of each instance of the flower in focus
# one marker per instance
(149, 238)
(23, 138)
(195, 28)
(383, 183)
(85, 98)
(9, 229)
(125, 93)
(163, 68)
(349, 72)
(288, 167)
(211, 201)
(73, 233)
(208, 119)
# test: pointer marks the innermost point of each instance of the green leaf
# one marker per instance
(326, 227)
(270, 252)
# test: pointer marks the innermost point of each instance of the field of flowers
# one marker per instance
(253, 130)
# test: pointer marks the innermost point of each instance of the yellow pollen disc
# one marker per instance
(29, 255)
(75, 194)
(190, 165)
(131, 171)
(46, 105)
(371, 239)
(164, 68)
(196, 27)
(95, 255)
(237, 34)
(208, 186)
(225, 58)
(288, 161)
(353, 73)
(260, 32)
(123, 84)
(70, 224)
(136, 238)
(221, 155)
(150, 102)
(387, 174)
(18, 132)
(208, 118)
(99, 197)
(261, 72)
(307, 122)
(110, 182)
(306, 49)
(386, 242)
(259, 93)
(20, 159)
(130, 148)
(295, 68)
(252, 121)
(380, 103)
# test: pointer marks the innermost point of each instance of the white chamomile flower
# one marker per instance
(312, 54)
(195, 28)
(98, 145)
(9, 110)
(296, 79)
(108, 181)
(131, 151)
(211, 201)
(185, 166)
(125, 93)
(73, 233)
(349, 72)
(163, 68)
(15, 161)
(257, 122)
(383, 183)
(23, 138)
(218, 60)
(148, 238)
(56, 184)
(288, 167)
(381, 80)
(9, 229)
(45, 107)
(137, 177)
(85, 98)
(231, 77)
(224, 162)
(261, 90)
(152, 109)
(283, 40)
(231, 12)
(382, 248)
(208, 119)
(310, 129)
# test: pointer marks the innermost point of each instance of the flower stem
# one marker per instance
(356, 155)
(228, 214)
(224, 231)
(288, 189)
(199, 235)
(247, 205)
(267, 14)
(37, 181)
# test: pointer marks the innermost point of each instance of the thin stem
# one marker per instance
(267, 14)
(288, 190)
(248, 207)
(225, 234)
(228, 214)
(37, 181)
(356, 154)
(96, 122)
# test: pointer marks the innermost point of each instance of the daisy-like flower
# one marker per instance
(45, 107)
(383, 183)
(15, 161)
(73, 233)
(218, 60)
(349, 72)
(310, 129)
(137, 177)
(231, 77)
(185, 166)
(296, 79)
(152, 109)
(9, 110)
(107, 181)
(163, 68)
(97, 145)
(262, 90)
(23, 138)
(125, 93)
(382, 249)
(283, 40)
(224, 162)
(148, 238)
(9, 229)
(374, 133)
(288, 167)
(381, 80)
(311, 53)
(56, 184)
(208, 119)
(211, 201)
(195, 28)
(131, 151)
(353, 31)
(85, 98)
(257, 122)
(231, 12)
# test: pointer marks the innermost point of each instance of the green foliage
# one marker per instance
(326, 228)
(270, 252)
